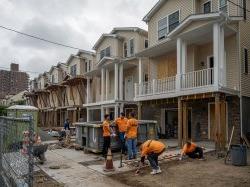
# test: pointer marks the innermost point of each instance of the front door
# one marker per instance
(129, 88)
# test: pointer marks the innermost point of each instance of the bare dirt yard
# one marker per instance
(211, 172)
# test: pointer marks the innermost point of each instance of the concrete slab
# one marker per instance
(71, 172)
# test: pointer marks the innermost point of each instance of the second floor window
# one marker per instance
(86, 65)
(173, 21)
(245, 61)
(73, 70)
(131, 47)
(168, 24)
(207, 7)
(223, 5)
(125, 49)
(146, 44)
(90, 64)
(105, 53)
(53, 78)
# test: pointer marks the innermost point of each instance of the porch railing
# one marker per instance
(156, 86)
(197, 78)
(190, 80)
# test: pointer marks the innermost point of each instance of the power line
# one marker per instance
(38, 38)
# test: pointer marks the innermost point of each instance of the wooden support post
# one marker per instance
(185, 122)
(217, 123)
(179, 122)
(223, 125)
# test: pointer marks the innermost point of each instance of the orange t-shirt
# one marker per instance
(122, 124)
(132, 126)
(189, 149)
(106, 128)
(152, 146)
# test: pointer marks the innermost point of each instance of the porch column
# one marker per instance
(217, 122)
(179, 63)
(216, 51)
(222, 61)
(184, 122)
(103, 84)
(116, 87)
(183, 57)
(88, 115)
(88, 91)
(140, 71)
(107, 85)
(121, 82)
(116, 111)
(179, 122)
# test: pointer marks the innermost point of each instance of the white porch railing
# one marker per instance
(196, 79)
(190, 80)
(157, 86)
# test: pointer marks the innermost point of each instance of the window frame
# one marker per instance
(246, 60)
(104, 51)
(211, 7)
(131, 54)
(73, 69)
(125, 55)
(226, 5)
(167, 16)
(146, 40)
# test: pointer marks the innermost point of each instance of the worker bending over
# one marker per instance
(152, 149)
(131, 136)
(121, 123)
(192, 150)
(106, 135)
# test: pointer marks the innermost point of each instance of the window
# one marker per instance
(86, 65)
(168, 24)
(131, 47)
(53, 78)
(245, 61)
(162, 28)
(173, 21)
(207, 7)
(125, 49)
(223, 5)
(146, 44)
(90, 64)
(105, 53)
(73, 70)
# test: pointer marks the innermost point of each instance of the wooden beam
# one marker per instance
(217, 123)
(80, 95)
(185, 122)
(223, 130)
(72, 94)
(179, 122)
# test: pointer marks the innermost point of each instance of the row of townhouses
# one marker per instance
(189, 72)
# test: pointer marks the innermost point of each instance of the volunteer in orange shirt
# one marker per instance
(192, 150)
(106, 135)
(121, 123)
(152, 149)
(131, 136)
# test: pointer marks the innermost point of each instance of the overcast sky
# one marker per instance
(77, 23)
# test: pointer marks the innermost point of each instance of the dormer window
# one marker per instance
(223, 5)
(207, 8)
(168, 24)
(105, 53)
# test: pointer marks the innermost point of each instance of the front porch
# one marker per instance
(199, 57)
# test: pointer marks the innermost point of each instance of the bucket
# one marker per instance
(239, 155)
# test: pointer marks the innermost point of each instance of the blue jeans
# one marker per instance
(123, 142)
(132, 151)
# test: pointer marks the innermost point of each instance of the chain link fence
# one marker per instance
(16, 152)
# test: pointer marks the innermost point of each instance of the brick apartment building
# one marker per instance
(13, 81)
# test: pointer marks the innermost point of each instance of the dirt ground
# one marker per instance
(41, 179)
(212, 172)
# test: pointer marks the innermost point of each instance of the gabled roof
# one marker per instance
(84, 52)
(133, 29)
(151, 13)
(103, 36)
(71, 57)
(52, 68)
